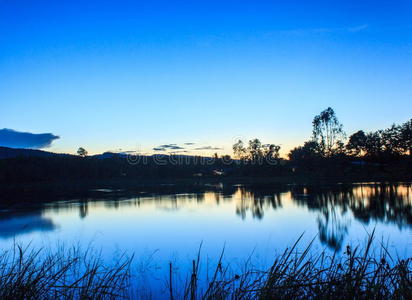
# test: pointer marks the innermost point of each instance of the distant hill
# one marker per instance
(6, 152)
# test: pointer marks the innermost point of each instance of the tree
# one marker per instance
(406, 137)
(82, 152)
(308, 151)
(328, 132)
(271, 150)
(239, 149)
(374, 144)
(391, 140)
(357, 143)
(255, 149)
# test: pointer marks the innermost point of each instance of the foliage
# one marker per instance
(394, 141)
(328, 132)
(406, 137)
(256, 151)
(356, 145)
(82, 152)
(310, 150)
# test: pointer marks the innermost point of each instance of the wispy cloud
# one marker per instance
(180, 151)
(208, 148)
(358, 28)
(175, 148)
(16, 139)
(320, 30)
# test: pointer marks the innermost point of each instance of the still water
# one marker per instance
(247, 221)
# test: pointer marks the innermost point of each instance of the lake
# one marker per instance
(249, 222)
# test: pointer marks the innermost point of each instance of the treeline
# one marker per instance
(329, 154)
(328, 141)
(382, 154)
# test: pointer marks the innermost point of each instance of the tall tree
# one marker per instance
(328, 132)
(255, 149)
(391, 140)
(406, 137)
(239, 149)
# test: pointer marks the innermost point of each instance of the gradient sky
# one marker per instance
(133, 75)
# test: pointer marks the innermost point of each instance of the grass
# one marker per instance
(65, 274)
(359, 273)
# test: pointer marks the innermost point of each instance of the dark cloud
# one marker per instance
(208, 148)
(168, 147)
(173, 147)
(16, 139)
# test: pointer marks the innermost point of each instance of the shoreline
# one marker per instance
(29, 194)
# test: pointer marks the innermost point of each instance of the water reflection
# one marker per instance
(335, 207)
(23, 222)
(367, 202)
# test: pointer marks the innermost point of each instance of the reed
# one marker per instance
(367, 272)
(64, 274)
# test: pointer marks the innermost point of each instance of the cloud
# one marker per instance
(357, 28)
(180, 151)
(175, 148)
(208, 148)
(168, 147)
(16, 139)
(350, 29)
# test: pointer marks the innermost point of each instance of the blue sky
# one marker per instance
(134, 75)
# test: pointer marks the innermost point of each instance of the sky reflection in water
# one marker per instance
(262, 221)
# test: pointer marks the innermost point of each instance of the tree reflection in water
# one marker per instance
(335, 205)
(386, 203)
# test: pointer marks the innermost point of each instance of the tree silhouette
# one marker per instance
(357, 143)
(406, 137)
(328, 132)
(255, 149)
(309, 150)
(271, 150)
(239, 149)
(391, 141)
(82, 152)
